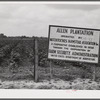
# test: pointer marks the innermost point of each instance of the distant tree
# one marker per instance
(2, 35)
(33, 36)
(24, 36)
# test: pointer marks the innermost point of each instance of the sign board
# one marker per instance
(73, 44)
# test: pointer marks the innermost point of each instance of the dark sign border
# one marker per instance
(74, 28)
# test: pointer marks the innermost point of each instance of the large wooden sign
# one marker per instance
(73, 44)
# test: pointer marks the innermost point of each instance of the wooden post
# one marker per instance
(36, 61)
(50, 70)
(94, 72)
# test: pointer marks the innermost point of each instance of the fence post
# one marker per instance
(94, 72)
(50, 70)
(36, 61)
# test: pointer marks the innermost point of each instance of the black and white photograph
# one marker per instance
(49, 46)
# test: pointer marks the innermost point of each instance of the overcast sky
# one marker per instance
(34, 19)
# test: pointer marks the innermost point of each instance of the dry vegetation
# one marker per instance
(17, 68)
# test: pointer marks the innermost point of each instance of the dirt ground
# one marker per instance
(63, 78)
(77, 84)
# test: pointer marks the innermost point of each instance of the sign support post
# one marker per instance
(36, 61)
(94, 72)
(50, 71)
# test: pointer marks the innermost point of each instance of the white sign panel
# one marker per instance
(73, 44)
